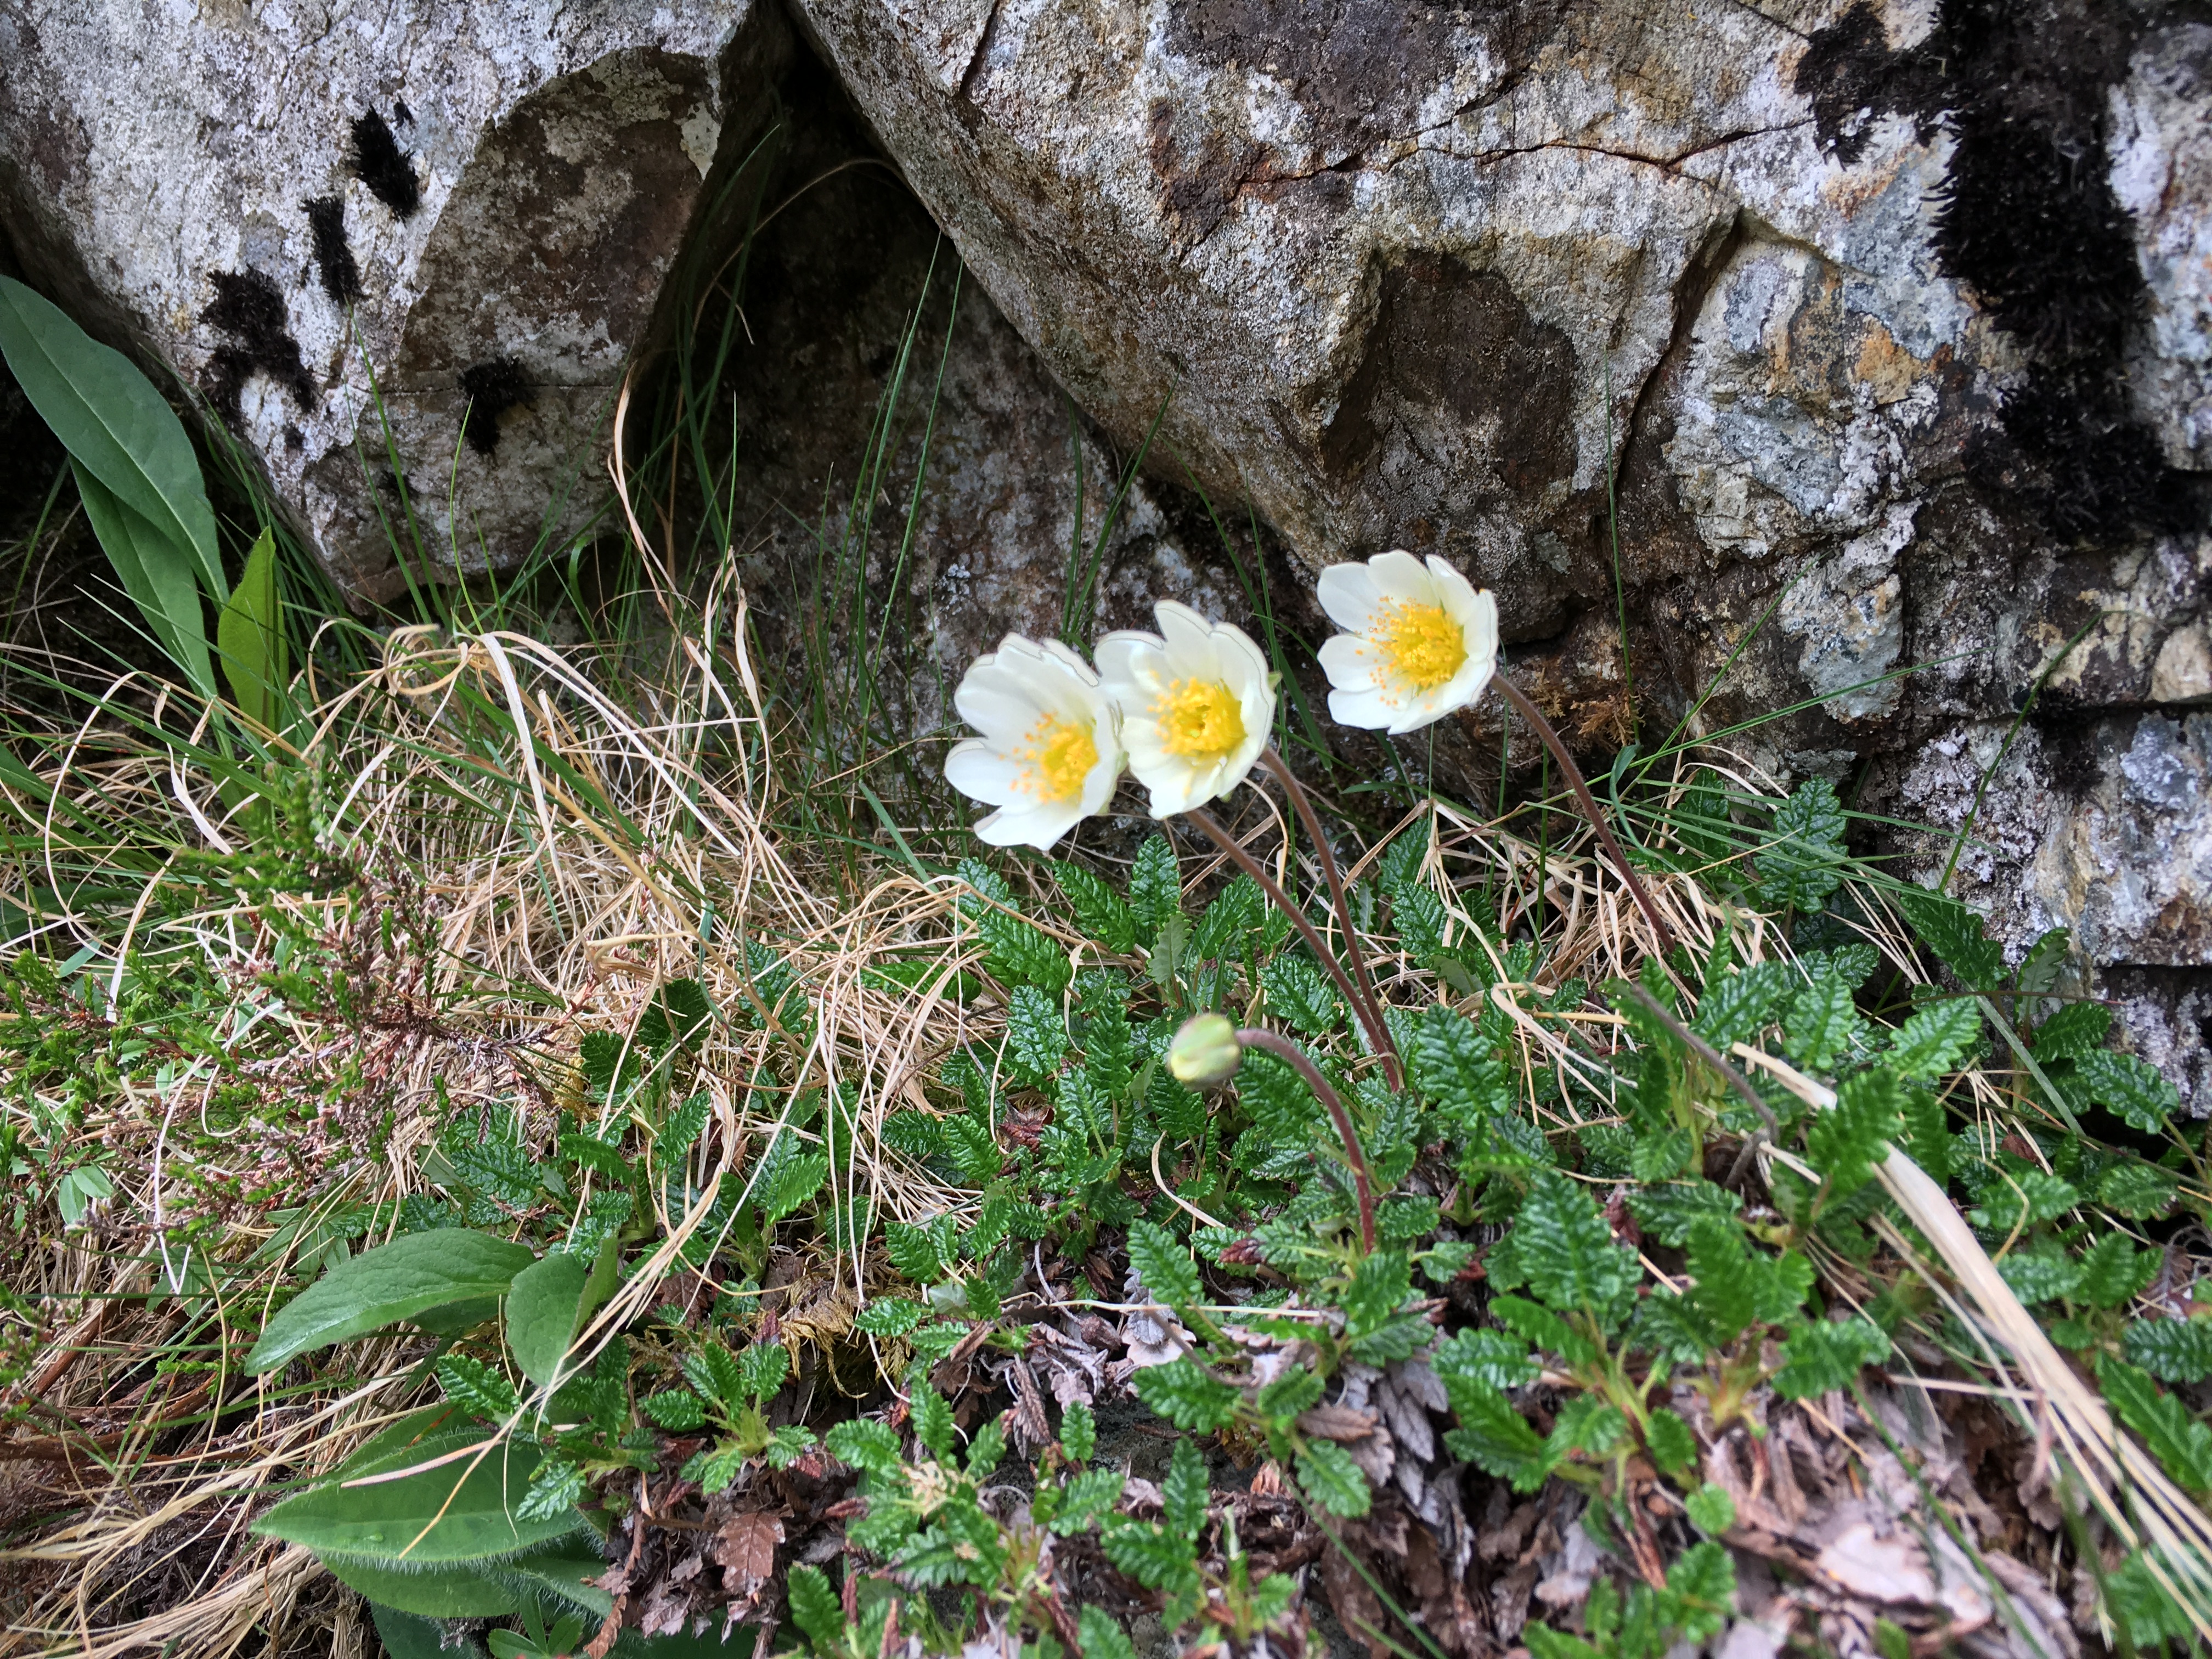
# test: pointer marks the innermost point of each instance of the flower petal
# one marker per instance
(1192, 653)
(981, 771)
(1349, 661)
(1366, 709)
(1348, 594)
(1399, 575)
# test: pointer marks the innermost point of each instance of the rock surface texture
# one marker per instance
(1893, 324)
(299, 204)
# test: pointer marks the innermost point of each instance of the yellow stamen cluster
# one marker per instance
(1199, 720)
(1057, 757)
(1421, 643)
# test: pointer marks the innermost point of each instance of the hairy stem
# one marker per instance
(1282, 1047)
(1378, 1035)
(1664, 935)
(1338, 896)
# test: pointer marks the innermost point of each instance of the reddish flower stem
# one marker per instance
(1363, 1184)
(1378, 1034)
(1664, 934)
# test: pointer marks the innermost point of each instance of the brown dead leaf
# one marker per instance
(744, 1549)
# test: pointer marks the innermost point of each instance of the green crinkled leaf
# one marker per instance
(890, 1317)
(1295, 1390)
(2136, 1089)
(1102, 1638)
(1674, 1447)
(1378, 1288)
(2040, 1275)
(476, 1387)
(555, 1488)
(446, 1513)
(2172, 1350)
(1493, 1359)
(1152, 1555)
(1954, 933)
(2077, 1029)
(2114, 1272)
(1586, 1424)
(1667, 1213)
(1164, 1264)
(1099, 910)
(1732, 1010)
(865, 1443)
(1661, 1155)
(1847, 1140)
(1802, 862)
(1186, 1396)
(921, 1253)
(1538, 1324)
(1299, 994)
(1087, 1498)
(1185, 1492)
(1496, 1438)
(2023, 1201)
(2168, 1428)
(1724, 1295)
(1822, 1023)
(933, 1419)
(1451, 1063)
(1037, 1034)
(1701, 1590)
(2138, 1191)
(1710, 1509)
(815, 1607)
(1329, 1477)
(1828, 1355)
(409, 1277)
(1568, 1252)
(678, 1410)
(1937, 1039)
(1079, 1433)
(2140, 1605)
(1155, 888)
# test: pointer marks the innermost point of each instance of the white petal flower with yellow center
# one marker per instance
(1051, 750)
(1418, 642)
(1197, 703)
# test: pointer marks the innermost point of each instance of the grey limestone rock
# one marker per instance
(308, 208)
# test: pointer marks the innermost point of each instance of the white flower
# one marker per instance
(1196, 702)
(1051, 750)
(1418, 641)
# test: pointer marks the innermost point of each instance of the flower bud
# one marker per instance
(1205, 1051)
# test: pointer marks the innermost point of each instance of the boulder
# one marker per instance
(1828, 357)
(433, 230)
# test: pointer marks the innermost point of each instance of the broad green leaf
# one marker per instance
(1452, 1064)
(456, 1503)
(439, 1592)
(115, 423)
(2138, 1091)
(1296, 1390)
(1828, 1355)
(1586, 1424)
(543, 1305)
(157, 577)
(1724, 1296)
(2172, 1350)
(1735, 1008)
(410, 1636)
(1163, 1264)
(1332, 1480)
(1567, 1251)
(410, 1276)
(2139, 1602)
(250, 634)
(555, 1488)
(1478, 1355)
(1545, 1642)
